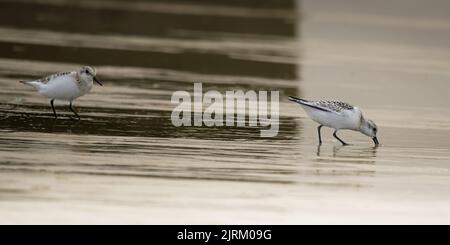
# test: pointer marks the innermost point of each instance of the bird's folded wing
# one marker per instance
(53, 76)
(311, 104)
(319, 107)
(336, 106)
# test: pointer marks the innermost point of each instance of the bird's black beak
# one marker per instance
(375, 140)
(95, 79)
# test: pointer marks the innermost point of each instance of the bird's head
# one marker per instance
(369, 128)
(88, 73)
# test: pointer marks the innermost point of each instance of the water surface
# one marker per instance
(124, 162)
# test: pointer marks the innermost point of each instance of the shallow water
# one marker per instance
(124, 162)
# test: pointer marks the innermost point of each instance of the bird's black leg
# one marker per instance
(335, 136)
(74, 112)
(53, 107)
(318, 131)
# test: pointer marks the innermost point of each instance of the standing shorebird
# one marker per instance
(66, 86)
(338, 115)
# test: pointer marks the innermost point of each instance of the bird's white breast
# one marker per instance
(64, 88)
(345, 119)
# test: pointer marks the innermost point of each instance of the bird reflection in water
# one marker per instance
(350, 152)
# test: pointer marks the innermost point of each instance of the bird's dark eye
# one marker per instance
(375, 130)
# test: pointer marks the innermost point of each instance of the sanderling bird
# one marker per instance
(338, 115)
(66, 86)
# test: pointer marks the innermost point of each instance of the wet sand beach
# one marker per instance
(125, 162)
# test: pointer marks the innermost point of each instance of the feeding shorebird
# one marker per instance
(66, 86)
(338, 115)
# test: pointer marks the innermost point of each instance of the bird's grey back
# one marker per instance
(46, 79)
(336, 106)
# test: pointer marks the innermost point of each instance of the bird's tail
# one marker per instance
(297, 100)
(33, 84)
